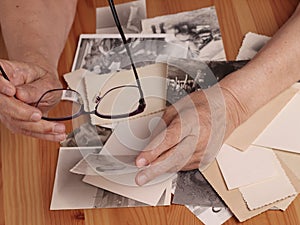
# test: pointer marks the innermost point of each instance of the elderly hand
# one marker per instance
(195, 128)
(27, 84)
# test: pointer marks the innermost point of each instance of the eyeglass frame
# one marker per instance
(81, 111)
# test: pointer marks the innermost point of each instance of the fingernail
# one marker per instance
(141, 162)
(35, 117)
(142, 179)
(59, 128)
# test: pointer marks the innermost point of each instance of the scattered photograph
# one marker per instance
(107, 199)
(106, 53)
(87, 135)
(70, 192)
(193, 189)
(130, 15)
(185, 76)
(199, 29)
(93, 164)
(211, 215)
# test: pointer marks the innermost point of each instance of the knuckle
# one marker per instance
(149, 156)
(46, 128)
(154, 153)
(27, 132)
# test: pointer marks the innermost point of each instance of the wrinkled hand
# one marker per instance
(194, 129)
(17, 97)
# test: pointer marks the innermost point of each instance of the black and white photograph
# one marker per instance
(199, 29)
(107, 199)
(87, 135)
(106, 53)
(193, 189)
(211, 215)
(130, 15)
(185, 76)
(70, 192)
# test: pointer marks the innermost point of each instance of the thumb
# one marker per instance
(31, 92)
(28, 93)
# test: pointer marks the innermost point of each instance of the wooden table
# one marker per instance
(28, 165)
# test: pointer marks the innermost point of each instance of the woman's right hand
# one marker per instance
(27, 84)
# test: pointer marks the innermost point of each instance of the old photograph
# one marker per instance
(211, 215)
(185, 76)
(104, 54)
(87, 135)
(193, 189)
(130, 15)
(107, 199)
(70, 192)
(96, 163)
(198, 28)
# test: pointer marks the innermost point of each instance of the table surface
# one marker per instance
(27, 165)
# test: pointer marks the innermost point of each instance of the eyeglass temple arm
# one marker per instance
(3, 73)
(118, 24)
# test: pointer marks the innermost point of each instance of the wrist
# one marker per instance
(236, 112)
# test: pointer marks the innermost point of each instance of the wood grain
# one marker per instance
(3, 52)
(27, 165)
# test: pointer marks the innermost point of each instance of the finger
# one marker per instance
(18, 110)
(38, 79)
(20, 73)
(48, 137)
(193, 157)
(31, 92)
(169, 114)
(6, 87)
(172, 161)
(166, 139)
(42, 127)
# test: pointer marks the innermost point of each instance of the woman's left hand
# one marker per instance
(195, 128)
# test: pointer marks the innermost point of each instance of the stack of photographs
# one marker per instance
(190, 44)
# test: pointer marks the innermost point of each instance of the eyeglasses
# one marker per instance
(118, 102)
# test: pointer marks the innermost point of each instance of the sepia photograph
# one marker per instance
(199, 29)
(106, 53)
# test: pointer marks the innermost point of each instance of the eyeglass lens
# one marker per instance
(60, 104)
